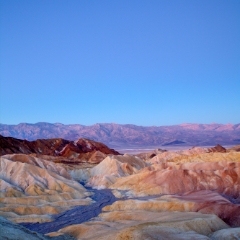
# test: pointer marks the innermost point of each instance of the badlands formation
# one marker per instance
(188, 194)
(72, 152)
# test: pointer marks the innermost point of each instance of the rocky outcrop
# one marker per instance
(217, 148)
(39, 162)
(178, 157)
(184, 174)
(151, 154)
(235, 148)
(106, 172)
(163, 156)
(70, 152)
(206, 202)
(31, 189)
(9, 145)
(88, 150)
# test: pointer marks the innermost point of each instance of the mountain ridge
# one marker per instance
(123, 135)
(64, 151)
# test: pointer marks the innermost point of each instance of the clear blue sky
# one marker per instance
(146, 62)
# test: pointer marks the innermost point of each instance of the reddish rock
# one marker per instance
(208, 202)
(9, 145)
(217, 148)
(82, 150)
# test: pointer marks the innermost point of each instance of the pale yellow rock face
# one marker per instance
(194, 155)
(113, 167)
(208, 157)
(166, 156)
(56, 168)
(147, 225)
(201, 201)
(29, 193)
(163, 157)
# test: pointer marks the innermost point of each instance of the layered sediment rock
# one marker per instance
(143, 225)
(39, 162)
(200, 201)
(9, 145)
(190, 194)
(235, 148)
(111, 168)
(70, 152)
(151, 154)
(30, 193)
(182, 175)
(166, 156)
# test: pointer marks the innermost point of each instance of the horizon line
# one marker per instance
(180, 124)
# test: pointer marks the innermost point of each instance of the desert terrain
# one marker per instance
(82, 189)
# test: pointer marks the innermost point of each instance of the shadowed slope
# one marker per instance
(69, 152)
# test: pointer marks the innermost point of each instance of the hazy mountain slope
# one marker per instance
(117, 135)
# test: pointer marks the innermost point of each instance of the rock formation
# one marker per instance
(32, 189)
(10, 230)
(70, 152)
(198, 152)
(203, 201)
(206, 171)
(140, 224)
(39, 162)
(187, 194)
(111, 168)
(217, 148)
(235, 148)
(151, 154)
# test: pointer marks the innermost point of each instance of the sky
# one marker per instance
(158, 62)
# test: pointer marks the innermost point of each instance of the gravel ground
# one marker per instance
(77, 214)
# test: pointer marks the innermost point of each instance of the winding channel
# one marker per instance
(80, 214)
(77, 214)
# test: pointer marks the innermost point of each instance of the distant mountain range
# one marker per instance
(129, 135)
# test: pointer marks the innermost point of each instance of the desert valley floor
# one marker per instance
(59, 189)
